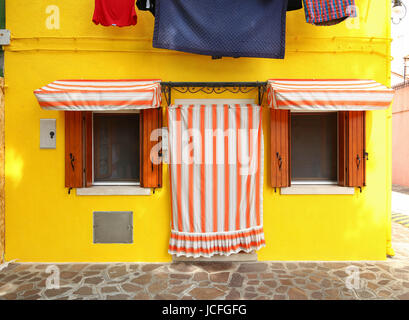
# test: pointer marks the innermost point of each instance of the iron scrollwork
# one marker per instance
(213, 88)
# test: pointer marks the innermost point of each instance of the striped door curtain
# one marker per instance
(216, 175)
(328, 12)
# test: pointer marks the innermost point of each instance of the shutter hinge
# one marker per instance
(366, 155)
(69, 190)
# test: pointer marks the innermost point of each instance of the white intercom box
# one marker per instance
(48, 133)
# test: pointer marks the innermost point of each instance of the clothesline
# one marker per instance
(194, 26)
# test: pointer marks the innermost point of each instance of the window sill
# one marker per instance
(114, 191)
(310, 189)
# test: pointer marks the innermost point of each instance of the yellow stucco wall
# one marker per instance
(44, 223)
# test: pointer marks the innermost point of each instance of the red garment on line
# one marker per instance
(119, 13)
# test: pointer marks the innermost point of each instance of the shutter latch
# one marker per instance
(280, 161)
(358, 161)
(72, 158)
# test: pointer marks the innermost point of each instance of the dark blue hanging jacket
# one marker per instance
(228, 28)
(149, 5)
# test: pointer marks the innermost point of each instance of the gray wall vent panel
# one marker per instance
(113, 227)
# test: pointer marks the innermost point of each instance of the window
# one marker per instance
(314, 144)
(110, 149)
(317, 148)
(116, 148)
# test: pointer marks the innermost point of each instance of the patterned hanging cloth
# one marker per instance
(216, 175)
(222, 28)
(149, 5)
(328, 12)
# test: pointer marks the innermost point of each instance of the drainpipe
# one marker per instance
(2, 178)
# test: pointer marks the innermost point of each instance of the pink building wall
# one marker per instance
(400, 136)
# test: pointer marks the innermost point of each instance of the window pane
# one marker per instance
(116, 147)
(314, 146)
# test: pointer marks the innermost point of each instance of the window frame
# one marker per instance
(78, 144)
(318, 182)
(89, 177)
(352, 150)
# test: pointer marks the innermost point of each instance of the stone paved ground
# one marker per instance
(218, 280)
(401, 189)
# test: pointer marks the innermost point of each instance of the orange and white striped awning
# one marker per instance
(325, 95)
(100, 95)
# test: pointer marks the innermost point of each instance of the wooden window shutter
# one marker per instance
(342, 148)
(73, 149)
(88, 148)
(352, 157)
(151, 173)
(280, 148)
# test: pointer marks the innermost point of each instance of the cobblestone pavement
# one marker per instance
(400, 218)
(217, 280)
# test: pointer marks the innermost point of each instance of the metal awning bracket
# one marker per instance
(213, 88)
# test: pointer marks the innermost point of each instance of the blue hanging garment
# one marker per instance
(149, 5)
(228, 28)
